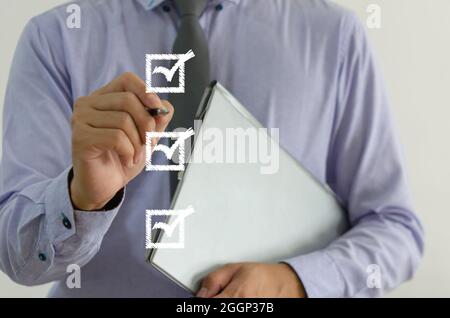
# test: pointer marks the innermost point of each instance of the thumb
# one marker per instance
(215, 281)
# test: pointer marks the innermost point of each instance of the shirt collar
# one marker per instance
(151, 4)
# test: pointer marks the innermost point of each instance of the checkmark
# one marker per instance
(170, 228)
(169, 151)
(169, 73)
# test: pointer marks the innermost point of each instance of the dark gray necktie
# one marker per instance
(197, 75)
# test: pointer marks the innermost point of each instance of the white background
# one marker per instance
(413, 48)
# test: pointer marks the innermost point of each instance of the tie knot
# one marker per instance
(190, 7)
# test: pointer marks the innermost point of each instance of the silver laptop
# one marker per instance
(227, 212)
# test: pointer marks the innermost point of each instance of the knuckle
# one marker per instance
(156, 98)
(80, 101)
(123, 120)
(127, 76)
(73, 120)
(128, 99)
(76, 118)
(79, 109)
(210, 279)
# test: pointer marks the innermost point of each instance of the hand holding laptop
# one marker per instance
(233, 224)
(252, 280)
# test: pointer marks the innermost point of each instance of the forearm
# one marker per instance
(388, 244)
(41, 233)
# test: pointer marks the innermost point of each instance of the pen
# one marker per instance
(154, 112)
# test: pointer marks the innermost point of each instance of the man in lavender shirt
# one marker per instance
(71, 187)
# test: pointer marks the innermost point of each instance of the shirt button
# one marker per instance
(66, 222)
(42, 257)
(219, 7)
(166, 8)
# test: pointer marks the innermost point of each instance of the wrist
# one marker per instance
(292, 276)
(79, 199)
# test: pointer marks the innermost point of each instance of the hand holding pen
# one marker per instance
(108, 138)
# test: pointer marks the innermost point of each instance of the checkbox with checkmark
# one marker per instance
(169, 73)
(173, 227)
(178, 147)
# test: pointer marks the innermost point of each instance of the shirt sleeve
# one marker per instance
(40, 232)
(364, 168)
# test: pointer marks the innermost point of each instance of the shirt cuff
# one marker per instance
(63, 221)
(319, 275)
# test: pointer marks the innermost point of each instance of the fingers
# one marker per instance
(118, 120)
(129, 82)
(112, 139)
(235, 289)
(122, 105)
(122, 89)
(216, 281)
(225, 294)
(129, 103)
